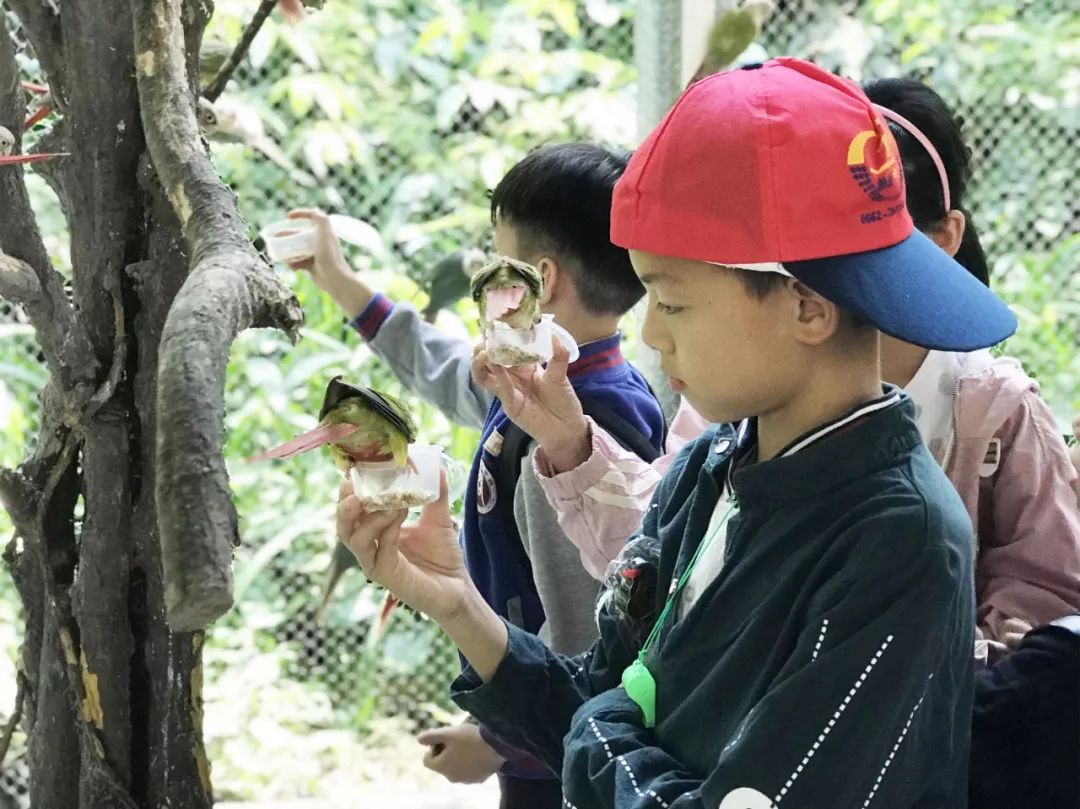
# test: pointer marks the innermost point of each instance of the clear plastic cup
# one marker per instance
(385, 486)
(289, 239)
(509, 347)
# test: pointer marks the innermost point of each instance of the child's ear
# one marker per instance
(549, 271)
(817, 319)
(949, 233)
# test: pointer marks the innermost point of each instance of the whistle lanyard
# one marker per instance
(636, 678)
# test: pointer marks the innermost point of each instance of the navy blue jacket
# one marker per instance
(601, 374)
(827, 666)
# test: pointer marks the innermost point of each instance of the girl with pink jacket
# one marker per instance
(981, 417)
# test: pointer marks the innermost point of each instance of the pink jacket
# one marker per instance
(1000, 446)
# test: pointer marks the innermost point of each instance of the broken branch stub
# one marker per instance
(229, 288)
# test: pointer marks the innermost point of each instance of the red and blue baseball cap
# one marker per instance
(785, 167)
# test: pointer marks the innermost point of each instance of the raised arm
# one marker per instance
(598, 489)
(431, 363)
(422, 566)
(601, 501)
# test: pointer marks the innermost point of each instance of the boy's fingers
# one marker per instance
(304, 213)
(345, 489)
(432, 755)
(495, 380)
(363, 547)
(481, 371)
(432, 737)
(560, 360)
(438, 512)
(522, 372)
(386, 546)
(362, 532)
(348, 512)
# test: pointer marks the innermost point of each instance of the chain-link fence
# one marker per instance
(1006, 70)
(1017, 195)
(453, 101)
(404, 114)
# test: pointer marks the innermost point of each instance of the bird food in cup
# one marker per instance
(386, 486)
(510, 347)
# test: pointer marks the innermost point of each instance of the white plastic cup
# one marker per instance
(385, 486)
(289, 239)
(510, 347)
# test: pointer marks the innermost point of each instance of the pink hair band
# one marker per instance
(916, 133)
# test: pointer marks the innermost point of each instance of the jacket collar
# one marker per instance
(597, 356)
(870, 437)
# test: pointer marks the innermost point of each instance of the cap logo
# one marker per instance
(874, 162)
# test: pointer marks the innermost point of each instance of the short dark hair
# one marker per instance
(558, 200)
(945, 130)
(761, 285)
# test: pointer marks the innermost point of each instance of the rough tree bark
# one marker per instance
(163, 279)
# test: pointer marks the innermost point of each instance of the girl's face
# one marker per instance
(731, 354)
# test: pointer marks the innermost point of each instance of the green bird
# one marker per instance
(358, 424)
(448, 280)
(509, 291)
(732, 33)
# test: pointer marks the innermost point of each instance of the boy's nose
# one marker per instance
(653, 335)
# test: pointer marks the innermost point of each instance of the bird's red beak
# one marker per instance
(37, 116)
(17, 159)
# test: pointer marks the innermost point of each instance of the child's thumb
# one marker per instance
(432, 737)
(438, 511)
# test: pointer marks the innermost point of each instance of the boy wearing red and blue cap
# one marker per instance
(816, 608)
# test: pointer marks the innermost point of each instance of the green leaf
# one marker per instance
(328, 95)
(301, 96)
(431, 33)
(448, 105)
(564, 13)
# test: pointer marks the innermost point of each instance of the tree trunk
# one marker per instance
(163, 278)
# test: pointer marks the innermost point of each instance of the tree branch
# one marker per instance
(54, 324)
(15, 718)
(19, 235)
(53, 172)
(217, 86)
(19, 284)
(62, 339)
(41, 22)
(119, 361)
(19, 498)
(230, 288)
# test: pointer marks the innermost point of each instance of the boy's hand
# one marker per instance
(327, 265)
(542, 402)
(420, 564)
(460, 754)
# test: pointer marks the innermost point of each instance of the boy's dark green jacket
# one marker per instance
(828, 666)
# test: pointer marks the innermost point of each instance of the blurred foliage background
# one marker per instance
(404, 114)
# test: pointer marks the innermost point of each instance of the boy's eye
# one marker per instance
(668, 310)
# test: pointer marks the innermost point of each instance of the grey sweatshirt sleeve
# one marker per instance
(567, 591)
(432, 364)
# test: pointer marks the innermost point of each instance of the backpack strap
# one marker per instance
(515, 447)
